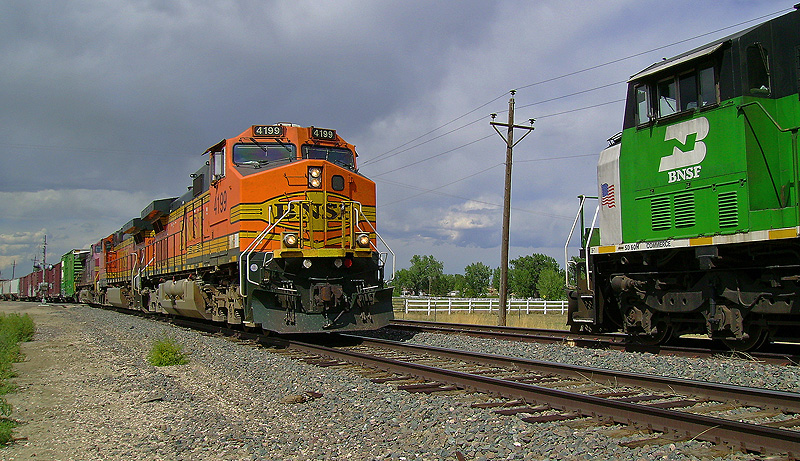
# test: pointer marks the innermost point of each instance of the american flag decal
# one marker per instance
(607, 195)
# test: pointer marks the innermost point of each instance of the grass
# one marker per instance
(14, 329)
(513, 319)
(166, 352)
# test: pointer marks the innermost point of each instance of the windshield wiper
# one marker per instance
(285, 146)
(252, 163)
(259, 144)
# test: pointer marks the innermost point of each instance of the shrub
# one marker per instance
(167, 352)
(14, 329)
(6, 427)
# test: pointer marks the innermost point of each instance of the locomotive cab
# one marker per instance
(698, 198)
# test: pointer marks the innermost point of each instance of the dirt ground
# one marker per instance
(53, 361)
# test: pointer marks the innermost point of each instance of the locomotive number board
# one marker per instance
(268, 130)
(322, 133)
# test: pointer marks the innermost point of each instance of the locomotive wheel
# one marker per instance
(758, 336)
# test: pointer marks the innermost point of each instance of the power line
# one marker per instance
(489, 136)
(615, 61)
(569, 74)
(437, 129)
(432, 156)
(384, 156)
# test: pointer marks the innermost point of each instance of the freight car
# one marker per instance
(9, 289)
(699, 203)
(44, 283)
(277, 230)
(72, 265)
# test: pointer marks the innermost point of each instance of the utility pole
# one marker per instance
(509, 139)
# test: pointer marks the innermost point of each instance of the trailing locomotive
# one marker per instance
(699, 198)
(277, 230)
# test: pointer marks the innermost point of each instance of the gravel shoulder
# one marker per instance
(86, 392)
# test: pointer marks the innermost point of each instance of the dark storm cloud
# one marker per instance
(129, 87)
(105, 106)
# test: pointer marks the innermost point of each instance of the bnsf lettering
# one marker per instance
(684, 174)
(315, 210)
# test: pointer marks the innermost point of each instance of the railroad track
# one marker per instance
(765, 421)
(777, 354)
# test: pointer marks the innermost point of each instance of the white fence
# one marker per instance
(470, 305)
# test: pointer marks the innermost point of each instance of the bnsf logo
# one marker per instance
(684, 162)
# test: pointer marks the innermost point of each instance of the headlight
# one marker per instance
(290, 240)
(363, 240)
(314, 177)
(337, 263)
(307, 263)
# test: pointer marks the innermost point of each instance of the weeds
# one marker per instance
(167, 352)
(14, 329)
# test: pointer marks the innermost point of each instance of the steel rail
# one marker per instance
(617, 341)
(744, 395)
(745, 436)
(741, 435)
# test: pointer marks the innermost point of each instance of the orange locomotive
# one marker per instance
(277, 230)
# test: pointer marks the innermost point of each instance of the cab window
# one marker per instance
(643, 112)
(258, 155)
(758, 70)
(690, 90)
(337, 155)
(218, 165)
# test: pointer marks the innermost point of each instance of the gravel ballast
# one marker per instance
(86, 391)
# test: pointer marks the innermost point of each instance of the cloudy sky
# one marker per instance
(107, 105)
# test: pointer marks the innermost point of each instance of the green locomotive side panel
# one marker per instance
(681, 172)
(769, 159)
(718, 171)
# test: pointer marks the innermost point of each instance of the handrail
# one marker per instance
(579, 216)
(589, 239)
(375, 247)
(244, 272)
(569, 238)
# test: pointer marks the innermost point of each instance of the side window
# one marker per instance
(667, 97)
(218, 165)
(643, 111)
(758, 70)
(687, 85)
(708, 87)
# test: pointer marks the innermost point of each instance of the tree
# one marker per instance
(424, 275)
(551, 285)
(402, 281)
(476, 279)
(577, 271)
(524, 273)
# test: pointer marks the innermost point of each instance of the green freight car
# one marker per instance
(72, 265)
(699, 210)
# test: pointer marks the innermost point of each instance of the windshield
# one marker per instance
(261, 154)
(343, 157)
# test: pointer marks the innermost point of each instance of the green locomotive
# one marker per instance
(699, 210)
